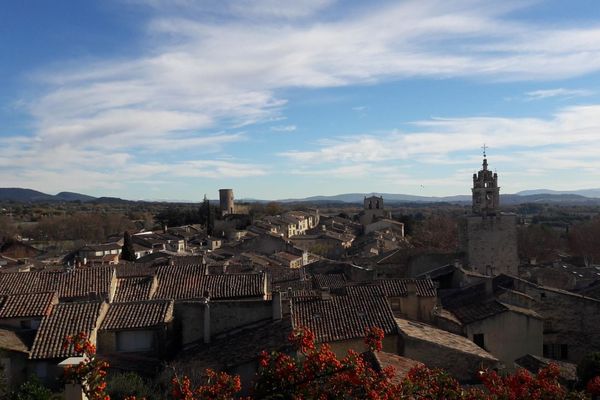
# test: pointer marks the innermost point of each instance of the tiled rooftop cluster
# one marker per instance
(67, 284)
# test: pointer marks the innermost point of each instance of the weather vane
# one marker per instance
(484, 147)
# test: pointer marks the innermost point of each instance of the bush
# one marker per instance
(122, 385)
(32, 389)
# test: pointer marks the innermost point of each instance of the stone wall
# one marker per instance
(225, 316)
(509, 335)
(570, 319)
(490, 244)
(461, 365)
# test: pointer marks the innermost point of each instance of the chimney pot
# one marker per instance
(277, 307)
(411, 288)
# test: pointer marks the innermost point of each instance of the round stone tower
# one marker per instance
(226, 201)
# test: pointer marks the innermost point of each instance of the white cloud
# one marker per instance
(567, 140)
(559, 92)
(199, 74)
(284, 128)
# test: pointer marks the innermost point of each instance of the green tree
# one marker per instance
(127, 252)
(208, 216)
(122, 385)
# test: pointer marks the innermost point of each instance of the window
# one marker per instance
(135, 341)
(479, 340)
(556, 351)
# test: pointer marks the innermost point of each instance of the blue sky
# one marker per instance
(171, 99)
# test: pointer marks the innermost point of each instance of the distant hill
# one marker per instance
(584, 196)
(70, 196)
(506, 199)
(593, 193)
(388, 197)
(23, 195)
(33, 196)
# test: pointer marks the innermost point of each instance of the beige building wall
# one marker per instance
(509, 335)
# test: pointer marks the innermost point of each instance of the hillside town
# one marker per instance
(214, 295)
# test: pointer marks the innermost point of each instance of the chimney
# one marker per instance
(325, 293)
(74, 391)
(437, 309)
(277, 309)
(489, 287)
(206, 335)
(533, 261)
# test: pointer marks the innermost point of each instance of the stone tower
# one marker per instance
(373, 209)
(489, 237)
(486, 193)
(226, 201)
(373, 203)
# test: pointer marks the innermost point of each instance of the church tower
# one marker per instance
(489, 237)
(486, 193)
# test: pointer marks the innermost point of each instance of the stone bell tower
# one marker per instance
(489, 237)
(486, 193)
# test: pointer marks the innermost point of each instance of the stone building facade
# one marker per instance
(488, 237)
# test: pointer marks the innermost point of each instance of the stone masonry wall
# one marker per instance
(491, 241)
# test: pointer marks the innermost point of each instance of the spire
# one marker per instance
(485, 164)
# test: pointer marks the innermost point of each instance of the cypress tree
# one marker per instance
(127, 251)
(210, 218)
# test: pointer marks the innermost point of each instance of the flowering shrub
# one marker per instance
(219, 386)
(373, 338)
(89, 373)
(316, 373)
(593, 386)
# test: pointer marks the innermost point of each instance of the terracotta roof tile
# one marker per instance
(13, 341)
(239, 348)
(143, 314)
(427, 333)
(402, 365)
(469, 313)
(190, 282)
(68, 284)
(343, 317)
(397, 287)
(65, 319)
(135, 289)
(28, 305)
(134, 270)
(331, 281)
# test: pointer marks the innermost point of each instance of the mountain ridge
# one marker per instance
(24, 195)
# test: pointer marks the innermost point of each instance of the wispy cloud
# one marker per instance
(284, 128)
(559, 92)
(567, 140)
